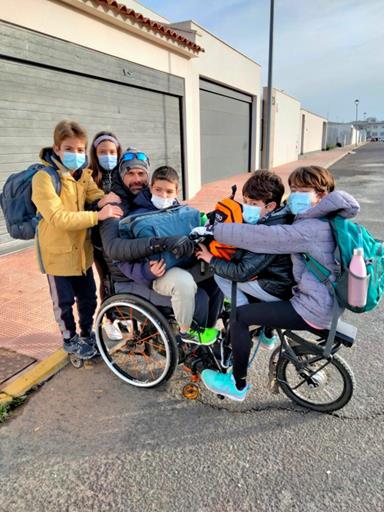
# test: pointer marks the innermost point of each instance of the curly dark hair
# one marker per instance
(264, 186)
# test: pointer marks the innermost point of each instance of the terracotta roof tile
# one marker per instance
(154, 25)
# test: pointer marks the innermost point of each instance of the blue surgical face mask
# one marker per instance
(251, 213)
(162, 202)
(107, 162)
(300, 202)
(74, 161)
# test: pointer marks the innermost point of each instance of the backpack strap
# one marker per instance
(55, 178)
(322, 274)
(317, 269)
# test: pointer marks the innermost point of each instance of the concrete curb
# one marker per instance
(36, 375)
(332, 162)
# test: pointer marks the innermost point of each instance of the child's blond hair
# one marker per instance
(66, 129)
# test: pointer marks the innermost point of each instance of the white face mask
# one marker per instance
(162, 202)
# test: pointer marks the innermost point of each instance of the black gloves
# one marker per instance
(180, 246)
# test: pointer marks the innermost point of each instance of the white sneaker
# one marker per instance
(112, 331)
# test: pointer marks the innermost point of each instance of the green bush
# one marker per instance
(5, 409)
(3, 412)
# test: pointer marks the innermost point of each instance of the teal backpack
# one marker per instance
(348, 236)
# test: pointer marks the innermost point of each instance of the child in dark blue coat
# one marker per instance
(177, 283)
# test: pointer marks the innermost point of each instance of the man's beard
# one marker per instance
(135, 189)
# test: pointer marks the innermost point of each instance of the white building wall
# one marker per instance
(109, 33)
(313, 135)
(286, 129)
(285, 138)
(339, 133)
(225, 65)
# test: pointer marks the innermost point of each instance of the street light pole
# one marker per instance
(357, 116)
(269, 99)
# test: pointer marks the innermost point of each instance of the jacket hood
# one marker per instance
(281, 215)
(49, 157)
(337, 202)
(143, 200)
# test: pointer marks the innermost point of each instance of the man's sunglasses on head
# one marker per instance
(135, 156)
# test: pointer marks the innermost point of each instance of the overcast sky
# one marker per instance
(327, 53)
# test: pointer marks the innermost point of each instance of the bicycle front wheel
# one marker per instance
(315, 382)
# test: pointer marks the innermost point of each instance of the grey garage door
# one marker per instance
(34, 98)
(225, 122)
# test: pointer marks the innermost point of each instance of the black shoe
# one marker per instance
(80, 347)
(71, 346)
(90, 340)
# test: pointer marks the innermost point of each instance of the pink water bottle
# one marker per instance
(357, 280)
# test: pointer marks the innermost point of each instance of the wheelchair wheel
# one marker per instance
(147, 354)
(319, 384)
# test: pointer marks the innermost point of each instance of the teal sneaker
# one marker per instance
(200, 336)
(223, 384)
(268, 343)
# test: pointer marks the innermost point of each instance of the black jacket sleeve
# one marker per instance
(243, 266)
(121, 249)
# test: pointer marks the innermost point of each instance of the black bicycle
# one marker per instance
(310, 372)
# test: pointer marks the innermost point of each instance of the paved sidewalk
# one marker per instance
(27, 325)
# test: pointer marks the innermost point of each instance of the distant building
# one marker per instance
(374, 128)
(344, 134)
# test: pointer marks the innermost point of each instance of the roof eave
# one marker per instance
(129, 25)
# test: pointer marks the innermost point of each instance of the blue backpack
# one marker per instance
(348, 236)
(19, 211)
(173, 221)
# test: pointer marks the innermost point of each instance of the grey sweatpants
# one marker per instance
(179, 285)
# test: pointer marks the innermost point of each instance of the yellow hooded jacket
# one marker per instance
(63, 241)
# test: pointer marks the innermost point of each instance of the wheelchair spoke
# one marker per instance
(146, 352)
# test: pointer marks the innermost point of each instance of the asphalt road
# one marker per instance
(87, 441)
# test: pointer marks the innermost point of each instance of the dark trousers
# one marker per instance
(208, 303)
(65, 290)
(267, 314)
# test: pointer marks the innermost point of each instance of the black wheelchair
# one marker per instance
(308, 371)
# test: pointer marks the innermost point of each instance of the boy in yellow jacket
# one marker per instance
(63, 240)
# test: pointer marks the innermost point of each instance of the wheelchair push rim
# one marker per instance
(146, 355)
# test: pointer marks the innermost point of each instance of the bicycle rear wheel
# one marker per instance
(319, 384)
(147, 354)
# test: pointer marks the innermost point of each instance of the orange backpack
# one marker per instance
(226, 210)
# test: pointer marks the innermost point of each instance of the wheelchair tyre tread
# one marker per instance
(130, 299)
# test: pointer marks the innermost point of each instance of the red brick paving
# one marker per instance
(27, 324)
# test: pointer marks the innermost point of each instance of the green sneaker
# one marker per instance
(200, 336)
